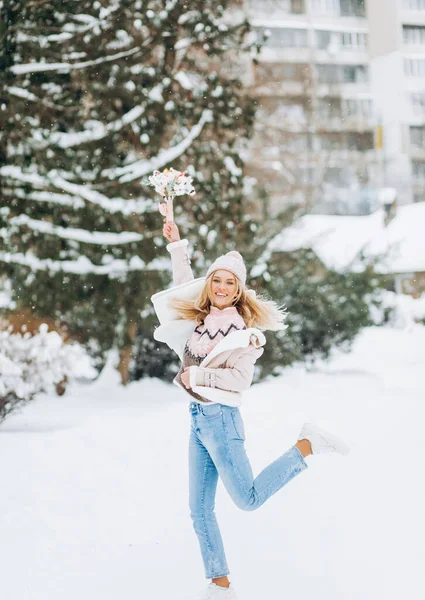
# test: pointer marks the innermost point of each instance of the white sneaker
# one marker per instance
(215, 592)
(322, 441)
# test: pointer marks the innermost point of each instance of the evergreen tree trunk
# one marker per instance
(126, 352)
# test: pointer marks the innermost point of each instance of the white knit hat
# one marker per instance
(233, 262)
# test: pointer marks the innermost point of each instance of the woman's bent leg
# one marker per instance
(227, 449)
(203, 479)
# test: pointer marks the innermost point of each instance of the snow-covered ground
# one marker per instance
(93, 501)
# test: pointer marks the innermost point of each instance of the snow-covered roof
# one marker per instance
(339, 240)
(404, 238)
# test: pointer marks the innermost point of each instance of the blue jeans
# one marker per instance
(216, 447)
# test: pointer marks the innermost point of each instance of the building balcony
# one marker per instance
(414, 49)
(418, 184)
(412, 17)
(417, 153)
(356, 123)
(415, 120)
(284, 55)
(415, 115)
(342, 89)
(342, 56)
(305, 89)
(281, 89)
(348, 9)
(301, 55)
(282, 9)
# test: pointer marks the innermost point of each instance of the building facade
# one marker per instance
(335, 119)
(397, 64)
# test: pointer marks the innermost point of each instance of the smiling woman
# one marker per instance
(219, 349)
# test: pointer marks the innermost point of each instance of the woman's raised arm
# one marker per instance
(182, 272)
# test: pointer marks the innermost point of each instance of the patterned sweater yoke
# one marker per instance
(217, 325)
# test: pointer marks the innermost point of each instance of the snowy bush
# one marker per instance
(32, 364)
(152, 358)
(399, 310)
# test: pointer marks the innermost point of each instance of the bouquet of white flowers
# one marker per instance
(170, 183)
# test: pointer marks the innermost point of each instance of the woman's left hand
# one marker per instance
(185, 377)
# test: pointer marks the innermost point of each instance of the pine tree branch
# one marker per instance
(83, 266)
(37, 4)
(66, 67)
(111, 205)
(21, 93)
(44, 196)
(102, 238)
(141, 168)
(98, 131)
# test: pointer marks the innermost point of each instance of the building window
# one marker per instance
(342, 73)
(417, 101)
(274, 143)
(417, 137)
(328, 73)
(353, 41)
(338, 40)
(361, 142)
(414, 67)
(275, 7)
(353, 8)
(331, 141)
(298, 7)
(414, 36)
(337, 177)
(306, 175)
(353, 141)
(283, 37)
(325, 6)
(329, 108)
(357, 107)
(354, 74)
(414, 4)
(418, 170)
(343, 8)
(276, 73)
(324, 39)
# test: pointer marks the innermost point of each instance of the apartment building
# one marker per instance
(325, 137)
(397, 64)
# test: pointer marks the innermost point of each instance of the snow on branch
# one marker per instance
(21, 93)
(111, 205)
(81, 266)
(35, 67)
(97, 132)
(102, 238)
(81, 192)
(141, 168)
(52, 197)
(17, 173)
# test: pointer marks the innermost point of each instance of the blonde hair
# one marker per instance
(256, 311)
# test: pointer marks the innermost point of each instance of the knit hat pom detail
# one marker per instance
(233, 262)
(235, 254)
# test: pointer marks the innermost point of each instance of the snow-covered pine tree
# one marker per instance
(94, 97)
(326, 308)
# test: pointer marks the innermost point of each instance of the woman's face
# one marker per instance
(223, 288)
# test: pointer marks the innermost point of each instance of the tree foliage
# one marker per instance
(94, 96)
